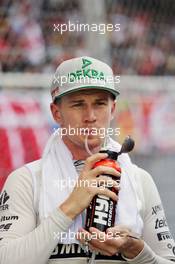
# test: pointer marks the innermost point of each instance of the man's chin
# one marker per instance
(94, 141)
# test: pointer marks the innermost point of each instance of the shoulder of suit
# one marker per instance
(23, 173)
(143, 176)
(34, 165)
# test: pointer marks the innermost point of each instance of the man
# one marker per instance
(43, 204)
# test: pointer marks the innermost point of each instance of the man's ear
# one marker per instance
(55, 109)
(113, 109)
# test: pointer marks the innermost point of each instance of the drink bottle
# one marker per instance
(101, 211)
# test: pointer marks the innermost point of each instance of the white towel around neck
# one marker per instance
(59, 175)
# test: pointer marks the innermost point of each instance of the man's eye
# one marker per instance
(77, 105)
(101, 103)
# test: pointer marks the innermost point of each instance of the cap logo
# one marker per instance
(86, 63)
(86, 72)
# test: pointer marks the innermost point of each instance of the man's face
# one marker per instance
(90, 110)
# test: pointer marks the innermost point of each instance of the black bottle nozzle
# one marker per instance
(127, 146)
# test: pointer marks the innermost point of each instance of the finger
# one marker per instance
(101, 170)
(90, 161)
(106, 192)
(107, 182)
(119, 229)
(98, 235)
(107, 238)
(82, 235)
(95, 230)
(120, 236)
(101, 242)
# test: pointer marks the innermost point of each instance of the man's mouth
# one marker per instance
(91, 131)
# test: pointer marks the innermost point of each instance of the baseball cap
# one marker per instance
(82, 73)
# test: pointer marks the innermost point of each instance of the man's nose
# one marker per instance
(89, 115)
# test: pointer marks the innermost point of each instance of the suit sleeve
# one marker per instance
(20, 240)
(159, 244)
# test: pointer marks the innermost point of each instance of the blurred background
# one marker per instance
(142, 52)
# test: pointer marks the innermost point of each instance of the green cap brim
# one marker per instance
(112, 91)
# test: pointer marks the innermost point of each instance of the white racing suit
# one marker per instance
(24, 240)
